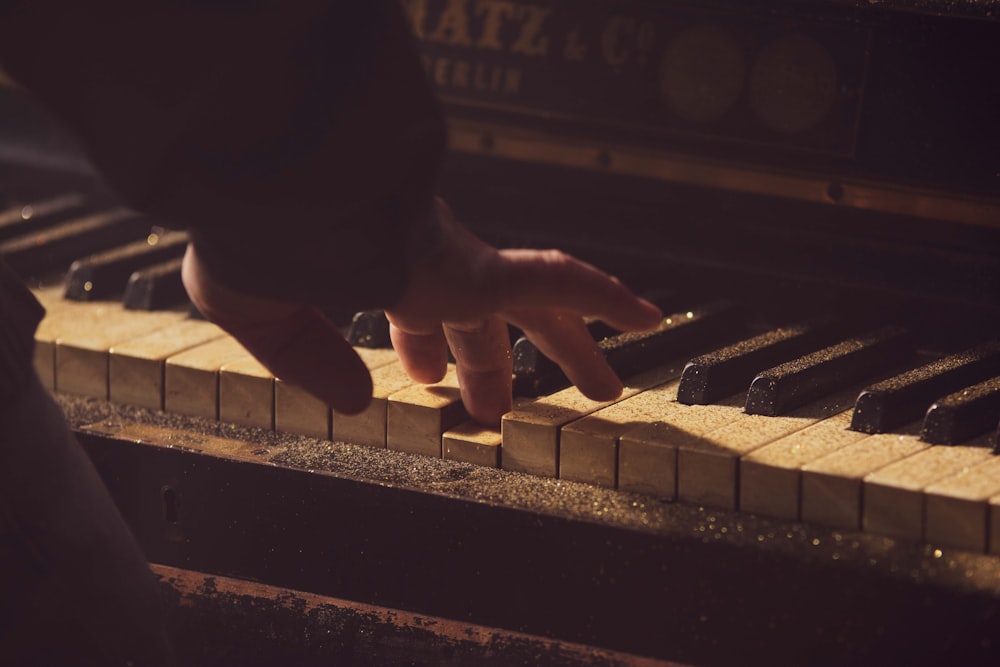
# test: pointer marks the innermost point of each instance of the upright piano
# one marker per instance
(827, 164)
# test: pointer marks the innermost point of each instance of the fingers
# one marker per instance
(564, 339)
(484, 365)
(293, 341)
(421, 348)
(551, 278)
(482, 360)
(306, 350)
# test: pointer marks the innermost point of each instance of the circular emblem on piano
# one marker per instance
(793, 83)
(701, 73)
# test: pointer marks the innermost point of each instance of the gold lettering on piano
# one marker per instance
(457, 25)
(530, 41)
(616, 32)
(463, 74)
(453, 25)
(622, 37)
(494, 12)
(416, 10)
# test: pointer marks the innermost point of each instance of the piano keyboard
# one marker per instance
(715, 412)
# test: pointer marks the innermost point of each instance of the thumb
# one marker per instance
(296, 342)
(305, 349)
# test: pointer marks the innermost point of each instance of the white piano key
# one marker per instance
(708, 465)
(958, 507)
(246, 393)
(831, 485)
(136, 367)
(297, 411)
(770, 477)
(893, 499)
(191, 378)
(470, 442)
(531, 430)
(368, 427)
(82, 347)
(417, 417)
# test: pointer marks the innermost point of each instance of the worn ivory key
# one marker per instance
(708, 466)
(297, 411)
(191, 378)
(831, 485)
(59, 315)
(770, 477)
(246, 393)
(958, 507)
(62, 317)
(416, 417)
(470, 442)
(588, 447)
(368, 427)
(82, 347)
(647, 454)
(893, 495)
(136, 366)
(531, 430)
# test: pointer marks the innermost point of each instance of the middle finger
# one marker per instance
(484, 366)
(564, 338)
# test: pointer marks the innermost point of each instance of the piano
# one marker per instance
(823, 166)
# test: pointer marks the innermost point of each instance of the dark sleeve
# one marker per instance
(20, 314)
(298, 141)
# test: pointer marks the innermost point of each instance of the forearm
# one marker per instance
(298, 142)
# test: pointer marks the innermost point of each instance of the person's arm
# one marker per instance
(299, 143)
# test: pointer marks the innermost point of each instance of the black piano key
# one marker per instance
(678, 335)
(156, 287)
(723, 372)
(51, 250)
(36, 216)
(369, 328)
(107, 273)
(537, 375)
(631, 353)
(963, 414)
(783, 388)
(904, 398)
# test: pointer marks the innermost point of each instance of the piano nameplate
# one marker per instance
(668, 73)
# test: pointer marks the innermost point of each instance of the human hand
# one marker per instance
(461, 297)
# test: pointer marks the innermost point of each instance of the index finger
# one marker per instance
(552, 278)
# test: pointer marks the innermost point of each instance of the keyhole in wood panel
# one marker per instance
(170, 504)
